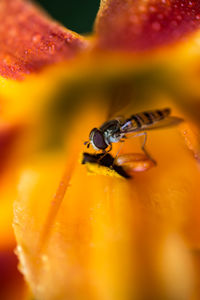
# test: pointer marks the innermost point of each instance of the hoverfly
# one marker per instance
(119, 129)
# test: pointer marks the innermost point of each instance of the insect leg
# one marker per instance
(144, 144)
(109, 148)
(105, 152)
(120, 148)
(144, 148)
(87, 143)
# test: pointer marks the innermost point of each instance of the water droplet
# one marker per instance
(36, 38)
(198, 17)
(160, 16)
(174, 23)
(142, 8)
(197, 40)
(190, 3)
(44, 258)
(18, 250)
(45, 262)
(179, 17)
(152, 9)
(156, 26)
(68, 39)
(134, 19)
(51, 49)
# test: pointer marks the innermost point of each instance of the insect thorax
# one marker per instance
(112, 138)
(111, 130)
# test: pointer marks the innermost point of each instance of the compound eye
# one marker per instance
(97, 139)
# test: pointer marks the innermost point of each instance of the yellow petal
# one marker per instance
(99, 237)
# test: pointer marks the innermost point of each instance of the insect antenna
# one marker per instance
(87, 143)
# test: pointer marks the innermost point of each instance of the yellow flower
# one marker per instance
(101, 236)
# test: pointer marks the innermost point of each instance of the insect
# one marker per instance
(119, 129)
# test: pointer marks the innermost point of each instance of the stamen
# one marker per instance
(56, 202)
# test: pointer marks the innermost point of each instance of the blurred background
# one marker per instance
(76, 15)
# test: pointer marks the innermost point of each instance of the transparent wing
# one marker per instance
(119, 99)
(167, 122)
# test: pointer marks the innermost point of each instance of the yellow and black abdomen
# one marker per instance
(148, 118)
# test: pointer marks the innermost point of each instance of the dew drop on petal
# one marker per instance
(44, 258)
(174, 23)
(160, 16)
(36, 38)
(134, 19)
(142, 8)
(191, 3)
(51, 49)
(179, 17)
(152, 9)
(156, 26)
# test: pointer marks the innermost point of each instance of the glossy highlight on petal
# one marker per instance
(30, 40)
(137, 25)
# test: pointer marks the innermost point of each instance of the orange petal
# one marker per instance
(143, 25)
(30, 40)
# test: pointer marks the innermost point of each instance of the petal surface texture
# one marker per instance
(30, 40)
(140, 25)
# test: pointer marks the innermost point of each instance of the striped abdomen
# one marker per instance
(145, 119)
